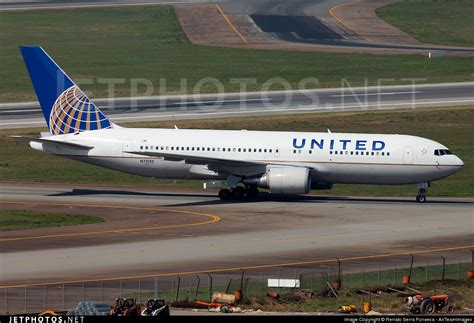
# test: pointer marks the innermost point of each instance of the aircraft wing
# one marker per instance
(233, 166)
(197, 160)
(56, 142)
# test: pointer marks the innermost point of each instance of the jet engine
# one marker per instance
(283, 180)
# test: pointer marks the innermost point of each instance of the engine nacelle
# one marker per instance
(284, 180)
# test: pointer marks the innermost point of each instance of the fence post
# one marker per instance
(139, 290)
(177, 289)
(156, 288)
(190, 293)
(209, 287)
(459, 269)
(83, 291)
(121, 287)
(102, 291)
(443, 269)
(197, 287)
(339, 272)
(6, 301)
(394, 274)
(26, 301)
(426, 271)
(378, 274)
(44, 297)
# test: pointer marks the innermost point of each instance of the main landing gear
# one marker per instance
(238, 193)
(422, 190)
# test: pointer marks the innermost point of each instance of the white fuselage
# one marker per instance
(332, 157)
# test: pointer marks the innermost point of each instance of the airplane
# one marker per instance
(239, 162)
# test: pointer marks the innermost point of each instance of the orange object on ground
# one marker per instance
(406, 279)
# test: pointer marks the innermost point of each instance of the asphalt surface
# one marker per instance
(120, 110)
(215, 236)
(296, 11)
(317, 29)
(58, 4)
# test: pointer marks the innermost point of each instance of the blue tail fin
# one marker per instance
(66, 108)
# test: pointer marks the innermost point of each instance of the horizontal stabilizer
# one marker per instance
(56, 142)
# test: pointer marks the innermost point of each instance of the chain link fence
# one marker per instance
(189, 288)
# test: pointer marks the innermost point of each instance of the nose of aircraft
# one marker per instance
(458, 162)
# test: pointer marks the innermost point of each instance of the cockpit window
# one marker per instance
(442, 152)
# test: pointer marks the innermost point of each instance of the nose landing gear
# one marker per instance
(421, 197)
(422, 190)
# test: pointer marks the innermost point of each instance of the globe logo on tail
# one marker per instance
(74, 112)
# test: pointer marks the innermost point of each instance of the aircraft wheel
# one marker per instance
(252, 192)
(224, 194)
(238, 193)
(420, 198)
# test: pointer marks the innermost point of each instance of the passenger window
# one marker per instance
(260, 150)
(141, 147)
(388, 154)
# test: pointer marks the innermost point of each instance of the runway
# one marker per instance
(26, 115)
(161, 233)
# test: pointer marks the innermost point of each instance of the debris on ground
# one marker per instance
(90, 308)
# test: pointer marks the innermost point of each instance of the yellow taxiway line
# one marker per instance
(342, 22)
(213, 219)
(231, 25)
